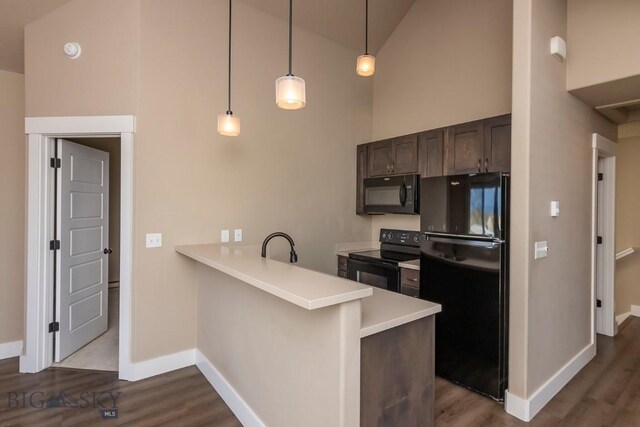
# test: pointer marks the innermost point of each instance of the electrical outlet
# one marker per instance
(237, 235)
(224, 236)
(555, 209)
(541, 250)
(154, 240)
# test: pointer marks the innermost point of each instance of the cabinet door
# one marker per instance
(361, 174)
(404, 156)
(431, 152)
(463, 148)
(379, 154)
(497, 144)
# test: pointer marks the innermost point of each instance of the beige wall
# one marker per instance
(448, 62)
(627, 208)
(103, 81)
(550, 298)
(12, 207)
(292, 171)
(602, 41)
(111, 146)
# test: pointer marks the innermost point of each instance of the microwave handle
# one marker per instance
(403, 194)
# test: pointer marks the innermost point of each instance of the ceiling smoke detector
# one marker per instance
(72, 50)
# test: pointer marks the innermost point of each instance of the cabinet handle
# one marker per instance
(411, 280)
(486, 164)
(479, 162)
(388, 168)
(392, 168)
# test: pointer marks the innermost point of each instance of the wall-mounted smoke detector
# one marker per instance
(72, 50)
(558, 48)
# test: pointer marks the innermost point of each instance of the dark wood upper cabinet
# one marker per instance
(430, 153)
(464, 148)
(380, 158)
(361, 174)
(393, 156)
(497, 144)
(404, 154)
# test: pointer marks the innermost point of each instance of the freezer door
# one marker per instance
(465, 278)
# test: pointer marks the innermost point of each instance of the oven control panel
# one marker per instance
(400, 237)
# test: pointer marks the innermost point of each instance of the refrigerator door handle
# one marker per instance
(489, 244)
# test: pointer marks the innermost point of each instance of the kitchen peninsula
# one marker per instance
(287, 346)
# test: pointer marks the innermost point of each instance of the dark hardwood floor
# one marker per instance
(178, 398)
(605, 393)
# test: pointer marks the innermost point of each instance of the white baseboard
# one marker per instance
(635, 311)
(526, 409)
(238, 406)
(622, 317)
(10, 349)
(163, 364)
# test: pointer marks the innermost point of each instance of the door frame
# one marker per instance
(41, 131)
(604, 150)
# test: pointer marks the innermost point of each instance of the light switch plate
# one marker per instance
(237, 235)
(224, 236)
(154, 240)
(555, 209)
(542, 250)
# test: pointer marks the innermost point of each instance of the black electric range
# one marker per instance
(380, 268)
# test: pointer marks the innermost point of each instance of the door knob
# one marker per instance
(107, 251)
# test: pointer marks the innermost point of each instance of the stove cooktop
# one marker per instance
(386, 256)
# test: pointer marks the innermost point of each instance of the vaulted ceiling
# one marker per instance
(341, 20)
(14, 15)
(338, 20)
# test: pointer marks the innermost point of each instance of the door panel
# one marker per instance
(405, 154)
(379, 158)
(463, 149)
(431, 153)
(497, 144)
(83, 215)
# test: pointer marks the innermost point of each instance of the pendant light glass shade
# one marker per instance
(228, 124)
(290, 89)
(290, 92)
(366, 65)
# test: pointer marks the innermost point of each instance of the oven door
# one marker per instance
(378, 275)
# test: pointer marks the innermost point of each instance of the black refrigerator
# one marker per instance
(464, 262)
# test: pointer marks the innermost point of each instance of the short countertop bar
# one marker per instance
(305, 288)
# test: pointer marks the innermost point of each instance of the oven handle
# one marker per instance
(403, 194)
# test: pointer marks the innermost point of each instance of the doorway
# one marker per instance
(39, 343)
(603, 232)
(86, 286)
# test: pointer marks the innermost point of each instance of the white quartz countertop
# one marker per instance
(385, 310)
(306, 288)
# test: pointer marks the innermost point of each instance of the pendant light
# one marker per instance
(290, 89)
(228, 124)
(366, 64)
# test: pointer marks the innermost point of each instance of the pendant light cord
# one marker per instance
(366, 28)
(229, 75)
(290, 36)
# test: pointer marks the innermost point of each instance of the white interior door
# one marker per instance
(600, 277)
(83, 230)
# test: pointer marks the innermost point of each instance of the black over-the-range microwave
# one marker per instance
(392, 194)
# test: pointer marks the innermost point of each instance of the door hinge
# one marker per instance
(54, 245)
(600, 177)
(598, 303)
(54, 327)
(599, 240)
(56, 163)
